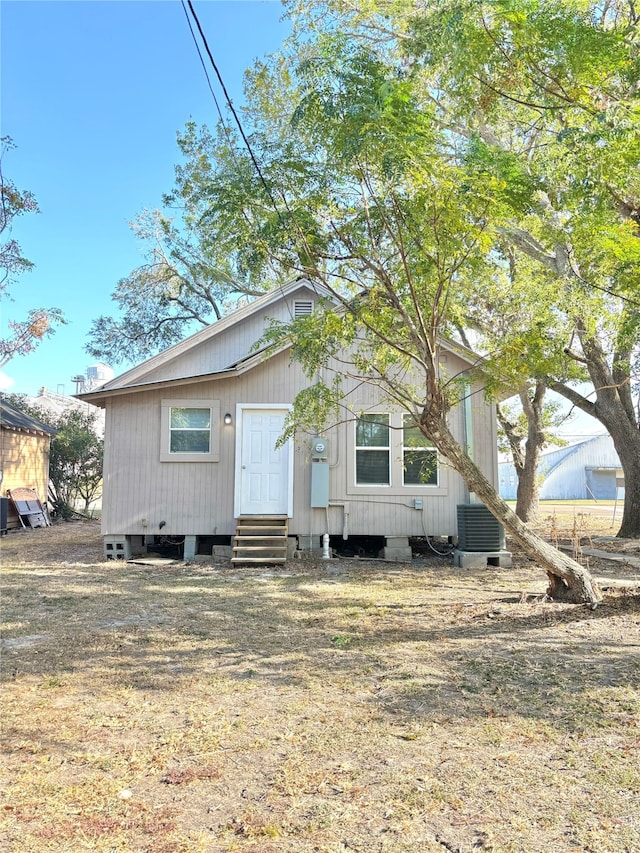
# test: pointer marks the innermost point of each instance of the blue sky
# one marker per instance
(93, 94)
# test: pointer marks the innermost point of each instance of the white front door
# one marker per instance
(264, 484)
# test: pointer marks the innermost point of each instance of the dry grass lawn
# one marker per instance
(321, 707)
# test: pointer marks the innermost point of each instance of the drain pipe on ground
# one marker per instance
(326, 554)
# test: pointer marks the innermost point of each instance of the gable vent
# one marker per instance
(302, 307)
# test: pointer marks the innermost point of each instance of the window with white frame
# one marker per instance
(373, 450)
(190, 431)
(392, 456)
(419, 457)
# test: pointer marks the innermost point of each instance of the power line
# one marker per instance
(254, 160)
(609, 292)
(237, 120)
(202, 62)
(232, 108)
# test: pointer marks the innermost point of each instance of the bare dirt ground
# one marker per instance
(321, 707)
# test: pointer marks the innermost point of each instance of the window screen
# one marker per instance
(419, 457)
(190, 430)
(372, 450)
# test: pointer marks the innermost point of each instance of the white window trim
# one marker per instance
(165, 430)
(387, 448)
(426, 447)
(396, 461)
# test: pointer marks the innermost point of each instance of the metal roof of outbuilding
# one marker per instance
(12, 418)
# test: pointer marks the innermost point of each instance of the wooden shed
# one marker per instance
(24, 454)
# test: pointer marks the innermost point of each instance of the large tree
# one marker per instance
(355, 192)
(24, 334)
(527, 430)
(541, 101)
(518, 298)
(190, 278)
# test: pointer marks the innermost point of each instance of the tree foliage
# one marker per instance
(437, 167)
(355, 192)
(525, 432)
(75, 464)
(191, 276)
(540, 103)
(24, 334)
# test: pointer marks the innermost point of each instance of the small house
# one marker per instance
(192, 453)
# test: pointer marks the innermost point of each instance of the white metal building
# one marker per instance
(585, 471)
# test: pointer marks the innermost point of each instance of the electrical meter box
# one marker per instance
(319, 447)
(319, 484)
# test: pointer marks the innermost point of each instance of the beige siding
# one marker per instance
(230, 345)
(197, 498)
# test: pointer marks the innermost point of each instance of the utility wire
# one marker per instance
(202, 62)
(611, 292)
(238, 123)
(250, 150)
(232, 108)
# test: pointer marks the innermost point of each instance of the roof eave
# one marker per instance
(99, 396)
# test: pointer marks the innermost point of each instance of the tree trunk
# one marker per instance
(626, 440)
(568, 580)
(525, 455)
(527, 489)
(614, 409)
(528, 482)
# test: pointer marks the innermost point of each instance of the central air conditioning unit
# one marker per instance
(478, 530)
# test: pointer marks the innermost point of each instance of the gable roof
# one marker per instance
(145, 375)
(134, 379)
(18, 421)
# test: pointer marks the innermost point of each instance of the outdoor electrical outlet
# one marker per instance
(417, 503)
(144, 522)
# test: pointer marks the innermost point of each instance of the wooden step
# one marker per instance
(277, 540)
(260, 532)
(258, 519)
(260, 540)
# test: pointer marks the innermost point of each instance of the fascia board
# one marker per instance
(99, 397)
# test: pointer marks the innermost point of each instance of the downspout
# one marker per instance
(467, 426)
